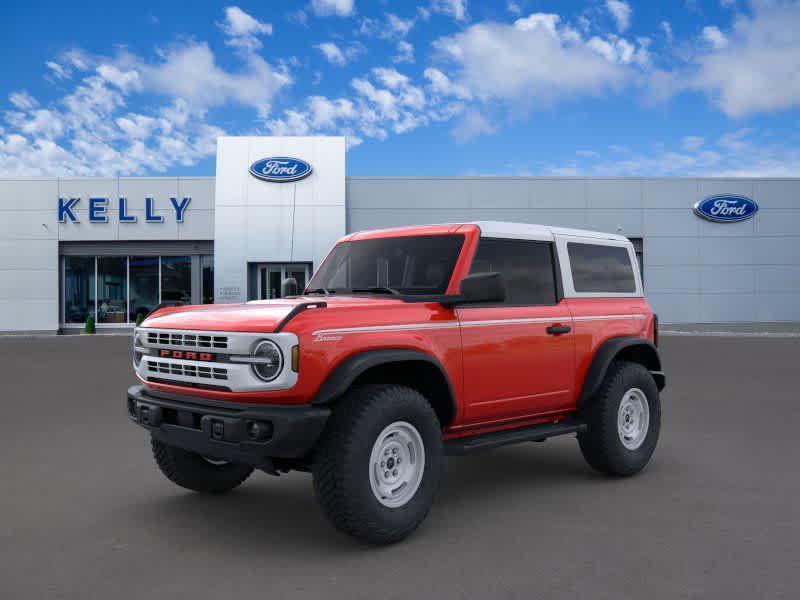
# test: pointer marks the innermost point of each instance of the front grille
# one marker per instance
(187, 340)
(167, 367)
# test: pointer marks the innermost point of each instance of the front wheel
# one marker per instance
(377, 467)
(198, 473)
(624, 421)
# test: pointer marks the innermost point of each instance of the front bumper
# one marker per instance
(223, 430)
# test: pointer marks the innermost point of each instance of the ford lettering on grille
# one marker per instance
(187, 355)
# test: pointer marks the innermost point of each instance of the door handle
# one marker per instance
(558, 329)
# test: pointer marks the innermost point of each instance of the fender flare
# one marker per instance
(647, 354)
(347, 371)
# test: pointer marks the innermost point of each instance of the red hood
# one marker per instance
(260, 316)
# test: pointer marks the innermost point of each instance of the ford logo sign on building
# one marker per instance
(726, 208)
(280, 169)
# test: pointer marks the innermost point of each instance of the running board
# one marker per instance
(534, 433)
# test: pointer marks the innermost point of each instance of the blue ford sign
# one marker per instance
(280, 169)
(726, 208)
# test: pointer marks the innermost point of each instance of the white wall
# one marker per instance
(695, 271)
(30, 233)
(28, 255)
(262, 221)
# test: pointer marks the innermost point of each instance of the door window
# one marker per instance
(527, 268)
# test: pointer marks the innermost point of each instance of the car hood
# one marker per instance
(261, 316)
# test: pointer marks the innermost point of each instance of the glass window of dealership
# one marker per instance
(116, 284)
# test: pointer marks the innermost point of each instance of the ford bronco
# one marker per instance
(407, 345)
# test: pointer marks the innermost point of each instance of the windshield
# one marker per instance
(394, 265)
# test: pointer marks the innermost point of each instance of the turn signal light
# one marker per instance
(295, 358)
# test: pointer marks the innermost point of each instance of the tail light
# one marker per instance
(655, 330)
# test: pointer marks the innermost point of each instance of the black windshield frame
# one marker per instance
(397, 266)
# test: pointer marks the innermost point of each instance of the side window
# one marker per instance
(603, 269)
(527, 268)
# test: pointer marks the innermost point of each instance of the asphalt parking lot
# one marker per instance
(84, 513)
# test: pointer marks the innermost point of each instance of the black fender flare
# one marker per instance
(638, 349)
(347, 371)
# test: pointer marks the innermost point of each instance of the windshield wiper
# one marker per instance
(376, 290)
(320, 290)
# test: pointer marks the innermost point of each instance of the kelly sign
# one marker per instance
(98, 210)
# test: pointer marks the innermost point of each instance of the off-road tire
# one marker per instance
(601, 444)
(193, 472)
(341, 465)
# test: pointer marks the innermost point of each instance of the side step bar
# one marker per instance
(534, 433)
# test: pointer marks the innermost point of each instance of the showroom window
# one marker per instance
(143, 285)
(79, 289)
(115, 290)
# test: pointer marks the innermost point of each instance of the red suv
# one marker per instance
(407, 344)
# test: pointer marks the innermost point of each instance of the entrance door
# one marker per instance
(272, 276)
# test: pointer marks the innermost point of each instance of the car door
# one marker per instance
(518, 356)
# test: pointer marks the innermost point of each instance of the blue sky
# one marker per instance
(438, 87)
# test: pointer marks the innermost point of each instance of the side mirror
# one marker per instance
(289, 287)
(482, 287)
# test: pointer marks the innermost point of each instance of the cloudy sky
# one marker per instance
(436, 87)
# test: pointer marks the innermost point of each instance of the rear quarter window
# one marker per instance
(601, 269)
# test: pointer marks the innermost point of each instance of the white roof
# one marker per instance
(526, 231)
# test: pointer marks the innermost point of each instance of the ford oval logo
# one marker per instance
(726, 209)
(280, 169)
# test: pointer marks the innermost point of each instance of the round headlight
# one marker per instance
(137, 343)
(270, 360)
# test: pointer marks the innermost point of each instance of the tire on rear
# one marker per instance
(342, 462)
(602, 444)
(193, 472)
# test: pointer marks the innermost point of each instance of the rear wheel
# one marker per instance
(198, 473)
(378, 464)
(624, 419)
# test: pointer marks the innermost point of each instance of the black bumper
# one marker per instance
(246, 433)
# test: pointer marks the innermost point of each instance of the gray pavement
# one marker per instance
(84, 513)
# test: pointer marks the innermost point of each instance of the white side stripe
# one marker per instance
(455, 324)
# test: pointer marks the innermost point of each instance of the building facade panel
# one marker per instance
(252, 233)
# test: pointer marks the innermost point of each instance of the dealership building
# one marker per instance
(711, 250)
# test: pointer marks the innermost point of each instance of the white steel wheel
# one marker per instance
(397, 464)
(633, 418)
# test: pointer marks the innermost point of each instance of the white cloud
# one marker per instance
(453, 8)
(191, 72)
(715, 37)
(405, 52)
(385, 101)
(397, 26)
(514, 8)
(339, 8)
(91, 131)
(57, 70)
(243, 29)
(621, 11)
(391, 27)
(336, 55)
(536, 60)
(666, 27)
(441, 84)
(22, 100)
(758, 70)
(735, 154)
(692, 143)
(127, 80)
(471, 125)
